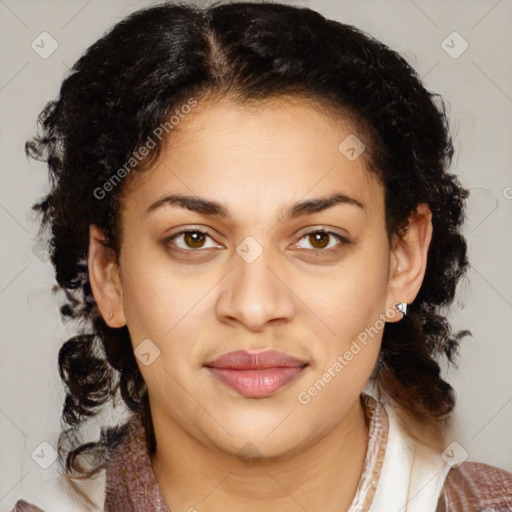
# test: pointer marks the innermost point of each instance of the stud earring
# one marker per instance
(111, 315)
(402, 307)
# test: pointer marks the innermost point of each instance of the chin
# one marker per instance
(255, 437)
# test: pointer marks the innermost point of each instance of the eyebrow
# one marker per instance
(212, 208)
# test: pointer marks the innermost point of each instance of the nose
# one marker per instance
(256, 294)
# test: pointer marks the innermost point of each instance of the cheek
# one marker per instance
(351, 302)
(351, 306)
(164, 306)
(155, 296)
(352, 297)
(159, 307)
(149, 301)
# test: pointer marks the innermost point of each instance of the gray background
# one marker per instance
(477, 86)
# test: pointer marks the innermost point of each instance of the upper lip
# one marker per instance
(247, 360)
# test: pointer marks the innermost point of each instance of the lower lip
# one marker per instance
(257, 383)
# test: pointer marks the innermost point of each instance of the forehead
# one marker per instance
(263, 154)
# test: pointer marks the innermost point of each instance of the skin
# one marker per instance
(257, 162)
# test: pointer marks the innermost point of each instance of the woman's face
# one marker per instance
(260, 277)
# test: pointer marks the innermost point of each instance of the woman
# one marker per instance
(251, 215)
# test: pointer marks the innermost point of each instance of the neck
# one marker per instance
(322, 476)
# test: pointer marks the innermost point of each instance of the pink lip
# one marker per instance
(256, 374)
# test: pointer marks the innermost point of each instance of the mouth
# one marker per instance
(256, 374)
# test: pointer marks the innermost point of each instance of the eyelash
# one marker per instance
(316, 252)
(319, 252)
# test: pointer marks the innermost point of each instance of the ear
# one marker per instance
(408, 260)
(105, 279)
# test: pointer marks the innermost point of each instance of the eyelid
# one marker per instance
(343, 241)
(322, 229)
(312, 230)
(170, 238)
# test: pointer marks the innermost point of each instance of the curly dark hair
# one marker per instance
(132, 79)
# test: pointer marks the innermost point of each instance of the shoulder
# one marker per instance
(475, 486)
(120, 452)
(23, 506)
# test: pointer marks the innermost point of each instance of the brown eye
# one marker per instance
(320, 240)
(194, 239)
(190, 240)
